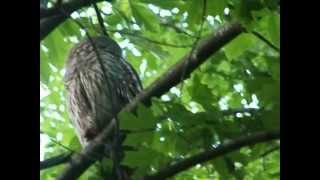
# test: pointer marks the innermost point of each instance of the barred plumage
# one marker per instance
(95, 96)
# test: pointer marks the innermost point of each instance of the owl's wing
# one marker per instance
(88, 96)
(130, 84)
(80, 108)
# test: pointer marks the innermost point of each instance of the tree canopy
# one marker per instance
(211, 72)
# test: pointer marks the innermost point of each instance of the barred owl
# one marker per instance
(95, 94)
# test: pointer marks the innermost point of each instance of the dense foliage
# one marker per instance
(236, 92)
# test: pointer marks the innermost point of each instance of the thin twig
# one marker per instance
(275, 148)
(149, 40)
(57, 142)
(127, 20)
(68, 8)
(61, 145)
(178, 30)
(100, 20)
(204, 7)
(169, 25)
(258, 35)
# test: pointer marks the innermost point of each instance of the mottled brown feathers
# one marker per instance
(95, 96)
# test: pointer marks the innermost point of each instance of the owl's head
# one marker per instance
(106, 44)
(100, 43)
(85, 52)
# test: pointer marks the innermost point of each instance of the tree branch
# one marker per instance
(133, 34)
(68, 7)
(100, 20)
(172, 77)
(241, 110)
(213, 153)
(54, 161)
(53, 17)
(49, 24)
(81, 161)
(207, 47)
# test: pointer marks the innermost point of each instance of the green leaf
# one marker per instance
(146, 115)
(221, 166)
(235, 101)
(153, 49)
(267, 23)
(44, 68)
(216, 7)
(75, 144)
(143, 160)
(145, 119)
(128, 121)
(144, 16)
(239, 45)
(69, 28)
(195, 18)
(58, 48)
(271, 120)
(201, 93)
(136, 139)
(274, 66)
(274, 29)
(114, 19)
(224, 67)
(166, 4)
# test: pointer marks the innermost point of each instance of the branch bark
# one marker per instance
(207, 47)
(68, 7)
(94, 151)
(221, 150)
(48, 24)
(187, 64)
(54, 161)
(53, 17)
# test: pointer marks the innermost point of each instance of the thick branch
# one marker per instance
(68, 7)
(48, 24)
(213, 153)
(187, 64)
(207, 47)
(54, 161)
(94, 151)
(53, 17)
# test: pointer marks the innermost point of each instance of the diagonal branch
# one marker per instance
(207, 47)
(68, 7)
(202, 52)
(53, 17)
(48, 24)
(221, 150)
(136, 35)
(54, 161)
(81, 161)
